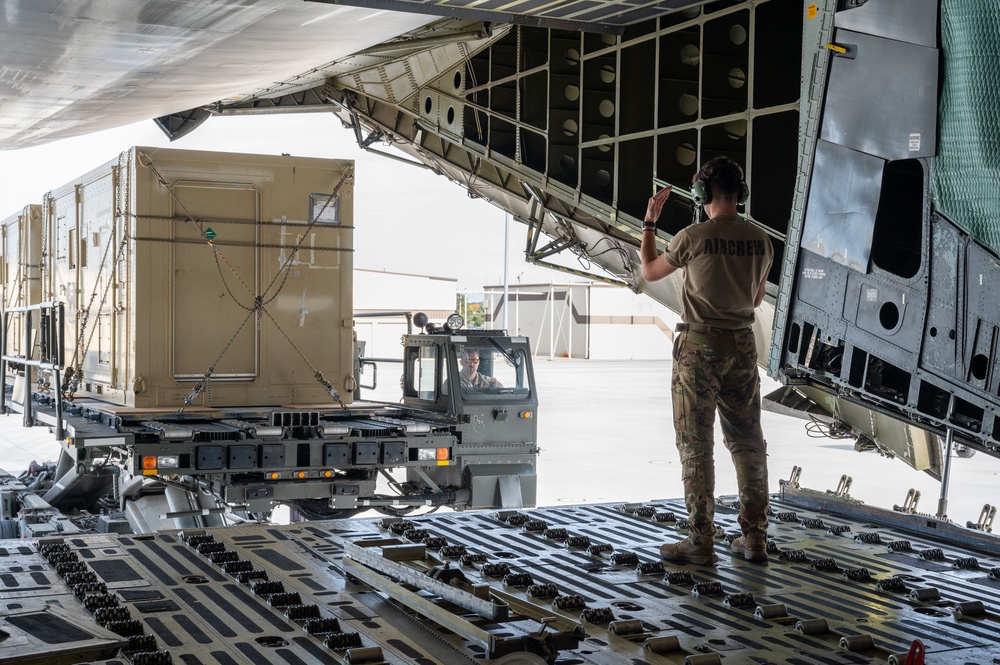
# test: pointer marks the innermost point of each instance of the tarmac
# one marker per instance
(606, 435)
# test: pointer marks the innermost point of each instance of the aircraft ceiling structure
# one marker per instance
(71, 68)
(603, 16)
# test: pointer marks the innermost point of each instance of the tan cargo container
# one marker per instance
(177, 264)
(21, 247)
(20, 242)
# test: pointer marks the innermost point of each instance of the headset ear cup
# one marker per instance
(700, 193)
(744, 193)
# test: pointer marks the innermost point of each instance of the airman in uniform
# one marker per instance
(725, 261)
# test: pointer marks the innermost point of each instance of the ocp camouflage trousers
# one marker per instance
(716, 369)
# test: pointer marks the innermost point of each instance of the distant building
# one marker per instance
(584, 320)
(380, 292)
(392, 295)
(569, 320)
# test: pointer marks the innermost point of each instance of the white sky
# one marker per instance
(407, 219)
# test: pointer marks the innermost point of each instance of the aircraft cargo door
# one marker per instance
(214, 286)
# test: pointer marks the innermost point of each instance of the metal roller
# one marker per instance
(704, 659)
(812, 626)
(664, 644)
(364, 655)
(926, 594)
(626, 627)
(973, 608)
(775, 611)
(857, 642)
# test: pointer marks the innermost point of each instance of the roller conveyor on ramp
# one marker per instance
(845, 584)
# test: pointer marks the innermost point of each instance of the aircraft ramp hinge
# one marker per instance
(909, 503)
(985, 522)
(795, 476)
(843, 490)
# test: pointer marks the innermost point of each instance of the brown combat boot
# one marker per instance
(752, 549)
(687, 552)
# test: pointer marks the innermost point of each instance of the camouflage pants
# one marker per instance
(717, 369)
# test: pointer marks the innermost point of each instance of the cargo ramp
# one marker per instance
(845, 583)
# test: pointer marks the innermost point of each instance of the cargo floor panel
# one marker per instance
(835, 590)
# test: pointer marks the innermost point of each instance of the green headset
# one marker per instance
(701, 193)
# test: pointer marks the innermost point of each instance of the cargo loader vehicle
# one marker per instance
(179, 345)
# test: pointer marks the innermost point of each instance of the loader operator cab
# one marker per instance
(462, 371)
(493, 421)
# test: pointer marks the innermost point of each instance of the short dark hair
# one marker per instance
(722, 177)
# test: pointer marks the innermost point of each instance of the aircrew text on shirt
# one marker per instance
(734, 247)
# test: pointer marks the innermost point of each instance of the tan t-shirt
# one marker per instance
(724, 261)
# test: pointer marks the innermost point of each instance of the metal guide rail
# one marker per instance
(574, 584)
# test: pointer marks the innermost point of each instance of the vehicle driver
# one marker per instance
(725, 262)
(470, 375)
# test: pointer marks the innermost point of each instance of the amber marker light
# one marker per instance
(328, 474)
(442, 454)
(300, 474)
(273, 475)
(526, 414)
(149, 465)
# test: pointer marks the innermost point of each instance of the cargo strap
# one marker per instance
(217, 253)
(259, 303)
(205, 384)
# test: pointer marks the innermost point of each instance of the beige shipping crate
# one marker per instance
(167, 281)
(20, 243)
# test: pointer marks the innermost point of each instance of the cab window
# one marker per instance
(488, 372)
(421, 372)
